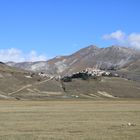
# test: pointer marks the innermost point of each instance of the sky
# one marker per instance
(34, 30)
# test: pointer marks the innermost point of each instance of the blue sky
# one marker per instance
(47, 28)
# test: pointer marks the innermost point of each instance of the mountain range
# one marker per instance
(121, 59)
(37, 80)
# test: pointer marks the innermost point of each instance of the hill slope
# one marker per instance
(18, 84)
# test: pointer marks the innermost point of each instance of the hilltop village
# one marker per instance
(88, 73)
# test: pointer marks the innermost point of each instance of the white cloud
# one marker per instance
(134, 40)
(130, 40)
(117, 35)
(17, 55)
(34, 57)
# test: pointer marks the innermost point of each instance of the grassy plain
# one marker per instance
(69, 120)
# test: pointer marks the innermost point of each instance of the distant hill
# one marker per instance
(7, 69)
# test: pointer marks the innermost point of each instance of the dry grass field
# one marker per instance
(70, 120)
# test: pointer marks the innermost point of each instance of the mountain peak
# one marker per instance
(92, 47)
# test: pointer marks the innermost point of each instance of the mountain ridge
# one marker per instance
(113, 57)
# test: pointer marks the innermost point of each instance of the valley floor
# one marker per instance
(70, 120)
